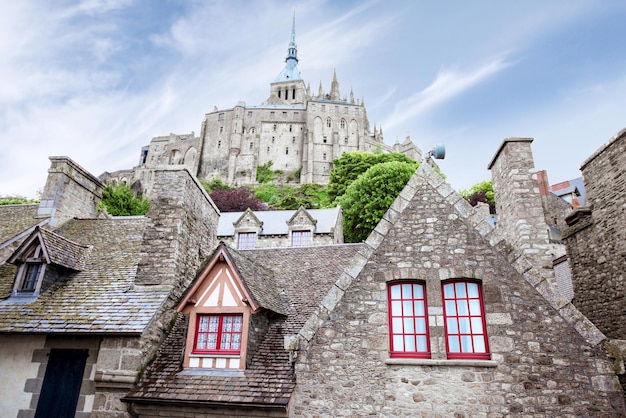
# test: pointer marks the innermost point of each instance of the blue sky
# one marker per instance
(95, 80)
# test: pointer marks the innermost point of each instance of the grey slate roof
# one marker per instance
(303, 276)
(275, 221)
(99, 299)
(14, 219)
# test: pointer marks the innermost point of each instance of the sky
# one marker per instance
(95, 80)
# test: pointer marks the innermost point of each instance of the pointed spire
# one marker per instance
(291, 72)
(292, 51)
(320, 92)
(351, 96)
(334, 87)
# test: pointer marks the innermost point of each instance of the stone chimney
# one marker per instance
(70, 191)
(181, 230)
(521, 221)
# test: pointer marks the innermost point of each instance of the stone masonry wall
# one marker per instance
(596, 239)
(540, 365)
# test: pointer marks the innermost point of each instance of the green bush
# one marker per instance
(119, 200)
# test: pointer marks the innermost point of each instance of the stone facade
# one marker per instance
(596, 239)
(543, 362)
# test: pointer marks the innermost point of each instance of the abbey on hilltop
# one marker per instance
(294, 132)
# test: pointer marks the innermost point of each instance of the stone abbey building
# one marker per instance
(296, 132)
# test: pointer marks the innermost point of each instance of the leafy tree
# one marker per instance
(264, 173)
(369, 196)
(481, 192)
(350, 165)
(236, 200)
(119, 200)
(16, 200)
(214, 184)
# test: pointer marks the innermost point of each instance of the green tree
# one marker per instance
(16, 200)
(369, 196)
(350, 165)
(120, 200)
(481, 192)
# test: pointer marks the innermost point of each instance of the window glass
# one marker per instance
(220, 333)
(407, 320)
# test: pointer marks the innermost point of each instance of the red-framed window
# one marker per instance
(220, 333)
(408, 320)
(464, 320)
(246, 240)
(300, 238)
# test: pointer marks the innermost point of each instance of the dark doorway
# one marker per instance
(61, 384)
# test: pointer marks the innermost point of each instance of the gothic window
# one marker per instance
(464, 320)
(408, 321)
(329, 123)
(343, 124)
(219, 333)
(246, 240)
(300, 238)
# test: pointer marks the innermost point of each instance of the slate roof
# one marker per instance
(99, 299)
(61, 251)
(275, 221)
(15, 219)
(303, 276)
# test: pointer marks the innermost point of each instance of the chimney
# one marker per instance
(70, 191)
(542, 181)
(519, 208)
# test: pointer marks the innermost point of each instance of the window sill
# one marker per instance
(440, 362)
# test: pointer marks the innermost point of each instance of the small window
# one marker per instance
(329, 123)
(268, 150)
(246, 240)
(336, 109)
(290, 128)
(356, 111)
(218, 334)
(296, 115)
(464, 321)
(219, 144)
(345, 109)
(272, 115)
(249, 114)
(279, 93)
(284, 115)
(323, 108)
(313, 106)
(220, 116)
(408, 320)
(325, 139)
(31, 275)
(300, 238)
(287, 151)
(343, 123)
(273, 138)
(345, 140)
(221, 129)
(251, 145)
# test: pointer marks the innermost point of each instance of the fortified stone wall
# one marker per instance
(596, 239)
(540, 365)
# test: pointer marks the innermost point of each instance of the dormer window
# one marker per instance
(30, 272)
(300, 238)
(219, 333)
(246, 240)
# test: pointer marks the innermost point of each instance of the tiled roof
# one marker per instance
(275, 221)
(303, 276)
(99, 299)
(64, 252)
(14, 219)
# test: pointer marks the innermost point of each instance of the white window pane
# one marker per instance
(450, 308)
(474, 306)
(236, 345)
(421, 343)
(201, 343)
(453, 344)
(408, 308)
(466, 344)
(395, 291)
(477, 326)
(448, 291)
(212, 342)
(213, 323)
(472, 290)
(409, 343)
(238, 323)
(452, 326)
(396, 308)
(396, 325)
(420, 325)
(479, 344)
(398, 343)
(227, 325)
(460, 290)
(225, 344)
(406, 291)
(464, 325)
(462, 307)
(409, 326)
(419, 307)
(418, 291)
(203, 326)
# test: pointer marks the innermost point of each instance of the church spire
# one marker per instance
(290, 72)
(334, 87)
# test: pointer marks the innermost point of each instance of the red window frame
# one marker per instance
(301, 238)
(246, 240)
(464, 320)
(218, 334)
(408, 320)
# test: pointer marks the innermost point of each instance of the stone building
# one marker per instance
(281, 228)
(437, 313)
(296, 132)
(596, 241)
